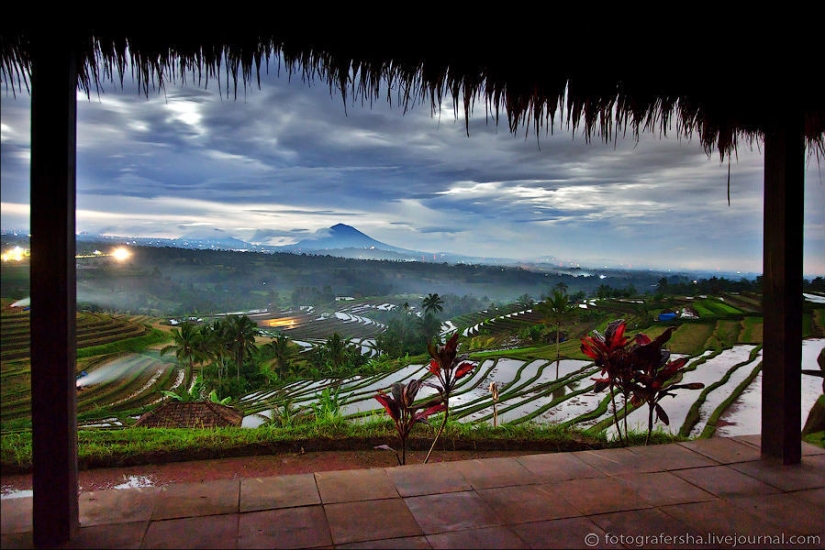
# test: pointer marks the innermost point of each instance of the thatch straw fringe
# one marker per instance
(609, 105)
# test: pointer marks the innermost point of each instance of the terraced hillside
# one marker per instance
(113, 381)
(723, 344)
(93, 329)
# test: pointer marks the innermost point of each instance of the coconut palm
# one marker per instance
(240, 333)
(336, 350)
(185, 344)
(283, 352)
(555, 311)
(433, 303)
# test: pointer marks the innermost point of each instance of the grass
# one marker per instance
(136, 446)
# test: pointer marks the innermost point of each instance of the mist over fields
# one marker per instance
(175, 281)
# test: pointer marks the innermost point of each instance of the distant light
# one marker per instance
(121, 254)
(16, 254)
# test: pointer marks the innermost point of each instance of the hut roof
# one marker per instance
(193, 414)
(533, 80)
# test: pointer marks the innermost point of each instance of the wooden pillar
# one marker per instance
(53, 293)
(782, 288)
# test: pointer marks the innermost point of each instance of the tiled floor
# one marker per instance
(714, 493)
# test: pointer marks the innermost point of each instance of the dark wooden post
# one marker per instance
(782, 289)
(53, 294)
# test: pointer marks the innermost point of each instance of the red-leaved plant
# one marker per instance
(640, 369)
(400, 405)
(448, 367)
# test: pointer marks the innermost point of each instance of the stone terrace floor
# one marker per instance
(712, 493)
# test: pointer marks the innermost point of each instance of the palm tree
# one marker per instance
(283, 352)
(433, 303)
(429, 326)
(561, 286)
(335, 350)
(185, 345)
(556, 310)
(240, 335)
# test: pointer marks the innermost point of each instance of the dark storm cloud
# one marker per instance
(281, 162)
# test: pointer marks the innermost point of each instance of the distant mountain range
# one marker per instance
(344, 241)
(340, 240)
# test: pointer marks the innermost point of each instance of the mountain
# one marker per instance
(340, 240)
(211, 238)
(338, 237)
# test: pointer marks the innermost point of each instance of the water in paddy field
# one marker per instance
(532, 378)
(112, 370)
(744, 416)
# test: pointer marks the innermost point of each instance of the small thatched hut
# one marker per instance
(192, 414)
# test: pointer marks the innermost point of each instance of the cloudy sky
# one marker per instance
(281, 162)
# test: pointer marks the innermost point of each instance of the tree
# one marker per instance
(555, 311)
(240, 333)
(336, 349)
(561, 286)
(283, 353)
(429, 326)
(185, 345)
(433, 303)
(525, 301)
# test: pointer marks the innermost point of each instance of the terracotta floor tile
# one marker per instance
(278, 492)
(723, 449)
(576, 533)
(663, 488)
(808, 449)
(599, 495)
(452, 512)
(304, 527)
(123, 535)
(717, 518)
(495, 472)
(408, 543)
(117, 505)
(13, 541)
(808, 474)
(812, 496)
(725, 481)
(649, 528)
(16, 515)
(670, 457)
(619, 461)
(193, 532)
(370, 520)
(718, 487)
(755, 440)
(426, 479)
(489, 537)
(553, 467)
(350, 485)
(197, 499)
(526, 503)
(786, 510)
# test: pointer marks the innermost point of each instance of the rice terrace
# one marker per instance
(311, 373)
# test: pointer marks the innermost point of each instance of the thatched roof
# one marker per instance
(193, 414)
(532, 79)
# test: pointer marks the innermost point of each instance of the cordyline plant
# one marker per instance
(448, 367)
(400, 405)
(640, 369)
